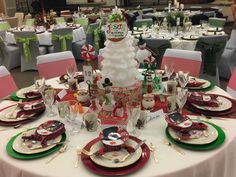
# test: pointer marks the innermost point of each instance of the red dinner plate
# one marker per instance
(89, 164)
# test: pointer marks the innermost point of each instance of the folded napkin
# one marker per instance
(202, 99)
(64, 78)
(195, 84)
(33, 94)
(104, 150)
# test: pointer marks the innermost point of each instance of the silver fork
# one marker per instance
(61, 150)
(168, 143)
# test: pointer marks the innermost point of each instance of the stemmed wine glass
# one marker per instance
(181, 98)
(133, 110)
(39, 83)
(183, 78)
(169, 70)
(49, 98)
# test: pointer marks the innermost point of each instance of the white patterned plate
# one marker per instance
(32, 147)
(197, 137)
(102, 161)
(205, 85)
(224, 104)
(20, 93)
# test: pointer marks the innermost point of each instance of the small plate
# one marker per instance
(28, 147)
(224, 104)
(105, 162)
(205, 85)
(198, 137)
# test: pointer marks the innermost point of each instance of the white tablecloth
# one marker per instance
(46, 37)
(215, 163)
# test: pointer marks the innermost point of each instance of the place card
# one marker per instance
(62, 94)
(155, 115)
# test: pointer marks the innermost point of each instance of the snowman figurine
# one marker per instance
(109, 102)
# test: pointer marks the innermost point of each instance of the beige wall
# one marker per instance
(2, 6)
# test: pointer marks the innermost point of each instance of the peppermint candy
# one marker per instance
(87, 52)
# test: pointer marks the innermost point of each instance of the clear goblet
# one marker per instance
(181, 98)
(169, 70)
(71, 70)
(133, 110)
(183, 78)
(49, 98)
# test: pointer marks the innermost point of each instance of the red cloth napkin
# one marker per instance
(195, 84)
(32, 94)
(203, 99)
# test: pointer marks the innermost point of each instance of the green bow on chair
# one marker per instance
(26, 42)
(210, 55)
(4, 26)
(62, 39)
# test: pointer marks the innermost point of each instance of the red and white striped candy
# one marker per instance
(87, 52)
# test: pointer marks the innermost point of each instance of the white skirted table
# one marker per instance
(218, 163)
(45, 38)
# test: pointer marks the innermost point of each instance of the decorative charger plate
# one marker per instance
(30, 147)
(215, 144)
(207, 137)
(224, 104)
(20, 93)
(11, 152)
(89, 164)
(105, 162)
(190, 37)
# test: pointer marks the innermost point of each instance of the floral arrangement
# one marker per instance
(39, 21)
(172, 17)
(116, 16)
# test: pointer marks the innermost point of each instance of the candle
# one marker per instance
(78, 9)
(177, 5)
(175, 2)
(169, 6)
(181, 6)
(45, 19)
(178, 21)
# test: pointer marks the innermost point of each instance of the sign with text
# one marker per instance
(116, 31)
(88, 74)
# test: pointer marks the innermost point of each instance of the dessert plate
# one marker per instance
(224, 104)
(32, 147)
(205, 85)
(197, 137)
(21, 92)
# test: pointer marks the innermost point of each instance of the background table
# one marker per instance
(218, 163)
(46, 37)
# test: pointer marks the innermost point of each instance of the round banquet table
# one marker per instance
(219, 162)
(45, 38)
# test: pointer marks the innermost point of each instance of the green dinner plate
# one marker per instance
(17, 155)
(210, 87)
(215, 144)
(16, 98)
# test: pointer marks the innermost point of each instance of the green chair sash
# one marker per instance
(4, 26)
(81, 21)
(209, 64)
(139, 24)
(29, 22)
(26, 42)
(62, 39)
(60, 20)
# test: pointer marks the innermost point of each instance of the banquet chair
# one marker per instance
(20, 16)
(211, 48)
(10, 55)
(60, 20)
(196, 19)
(231, 87)
(217, 22)
(227, 61)
(54, 64)
(158, 46)
(13, 21)
(183, 60)
(29, 22)
(7, 83)
(61, 40)
(93, 36)
(141, 22)
(29, 49)
(210, 13)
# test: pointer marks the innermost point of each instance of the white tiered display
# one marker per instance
(119, 64)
